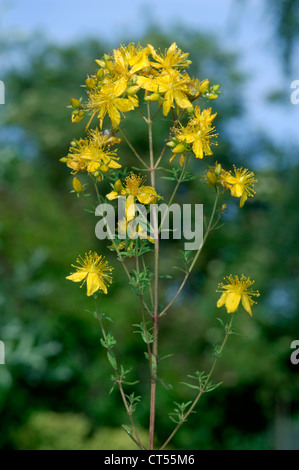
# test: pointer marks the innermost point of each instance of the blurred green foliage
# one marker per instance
(54, 386)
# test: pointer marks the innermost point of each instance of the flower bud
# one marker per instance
(212, 96)
(212, 178)
(172, 144)
(63, 159)
(218, 169)
(77, 185)
(223, 207)
(100, 74)
(204, 85)
(77, 116)
(75, 103)
(104, 169)
(132, 90)
(101, 63)
(90, 83)
(180, 148)
(215, 88)
(153, 97)
(190, 110)
(118, 186)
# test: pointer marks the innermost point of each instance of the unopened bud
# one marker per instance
(172, 144)
(212, 178)
(212, 96)
(190, 110)
(101, 63)
(90, 83)
(223, 207)
(63, 159)
(215, 88)
(118, 186)
(153, 97)
(104, 169)
(204, 85)
(75, 103)
(77, 185)
(180, 148)
(132, 90)
(100, 74)
(77, 116)
(218, 169)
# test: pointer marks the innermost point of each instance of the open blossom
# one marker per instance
(93, 153)
(196, 135)
(173, 57)
(235, 291)
(240, 183)
(94, 271)
(134, 190)
(172, 85)
(108, 100)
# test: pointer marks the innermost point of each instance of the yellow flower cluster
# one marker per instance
(93, 154)
(113, 89)
(196, 135)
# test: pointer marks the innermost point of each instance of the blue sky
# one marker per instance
(247, 30)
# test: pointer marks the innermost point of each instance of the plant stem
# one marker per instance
(156, 293)
(202, 391)
(122, 393)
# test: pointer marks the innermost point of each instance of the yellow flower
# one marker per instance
(133, 56)
(93, 153)
(107, 100)
(198, 132)
(173, 57)
(134, 189)
(172, 84)
(240, 183)
(94, 271)
(236, 290)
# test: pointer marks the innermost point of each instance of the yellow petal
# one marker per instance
(124, 105)
(112, 195)
(145, 194)
(93, 166)
(222, 300)
(113, 164)
(197, 149)
(77, 277)
(114, 115)
(93, 283)
(181, 100)
(232, 301)
(120, 86)
(238, 190)
(247, 302)
(130, 208)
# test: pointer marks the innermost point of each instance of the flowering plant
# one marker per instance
(150, 82)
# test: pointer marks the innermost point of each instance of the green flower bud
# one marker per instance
(77, 185)
(218, 169)
(104, 169)
(118, 186)
(180, 148)
(90, 83)
(75, 103)
(132, 90)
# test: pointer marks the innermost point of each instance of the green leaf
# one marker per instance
(111, 359)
